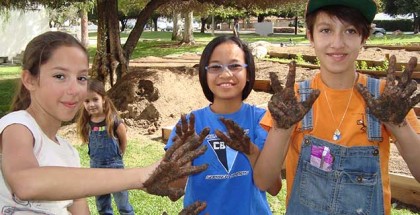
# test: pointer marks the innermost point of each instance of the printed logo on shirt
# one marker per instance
(219, 147)
(98, 128)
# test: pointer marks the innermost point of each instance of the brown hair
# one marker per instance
(109, 109)
(344, 14)
(38, 51)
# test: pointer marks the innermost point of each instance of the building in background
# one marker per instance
(17, 28)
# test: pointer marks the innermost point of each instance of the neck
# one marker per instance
(339, 81)
(97, 118)
(48, 124)
(225, 106)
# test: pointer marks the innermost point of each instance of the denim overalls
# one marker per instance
(104, 152)
(352, 186)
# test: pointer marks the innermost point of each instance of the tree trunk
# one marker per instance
(203, 25)
(296, 25)
(213, 25)
(236, 27)
(111, 59)
(155, 19)
(84, 28)
(142, 18)
(176, 30)
(187, 36)
(123, 22)
(109, 53)
(261, 18)
(416, 23)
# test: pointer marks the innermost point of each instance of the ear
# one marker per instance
(309, 36)
(28, 80)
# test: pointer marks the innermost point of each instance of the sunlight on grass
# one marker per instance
(9, 72)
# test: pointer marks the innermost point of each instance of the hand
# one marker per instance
(237, 139)
(284, 107)
(176, 163)
(194, 208)
(396, 101)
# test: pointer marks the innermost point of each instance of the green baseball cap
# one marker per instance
(367, 7)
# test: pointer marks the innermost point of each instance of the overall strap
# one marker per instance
(304, 91)
(373, 124)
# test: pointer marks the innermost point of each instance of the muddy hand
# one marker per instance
(177, 160)
(397, 99)
(194, 208)
(284, 107)
(237, 139)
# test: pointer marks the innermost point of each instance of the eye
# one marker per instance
(352, 31)
(82, 78)
(235, 67)
(59, 76)
(215, 67)
(325, 30)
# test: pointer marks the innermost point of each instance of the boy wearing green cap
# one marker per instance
(336, 127)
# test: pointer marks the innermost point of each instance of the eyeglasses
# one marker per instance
(219, 68)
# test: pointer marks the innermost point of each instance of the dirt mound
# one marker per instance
(148, 98)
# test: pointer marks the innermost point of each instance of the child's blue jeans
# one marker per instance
(103, 202)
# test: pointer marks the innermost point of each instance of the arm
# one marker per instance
(29, 181)
(122, 137)
(285, 111)
(270, 162)
(408, 144)
(391, 108)
(239, 141)
(79, 206)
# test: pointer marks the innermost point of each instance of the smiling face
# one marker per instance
(62, 84)
(227, 85)
(94, 104)
(336, 43)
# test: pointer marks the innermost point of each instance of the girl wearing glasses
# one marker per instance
(227, 74)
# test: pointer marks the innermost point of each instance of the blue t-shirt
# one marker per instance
(227, 185)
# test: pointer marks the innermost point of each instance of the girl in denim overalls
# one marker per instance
(337, 146)
(106, 136)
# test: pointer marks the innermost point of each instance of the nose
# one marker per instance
(89, 103)
(337, 41)
(226, 72)
(74, 87)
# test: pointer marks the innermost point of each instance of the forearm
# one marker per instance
(59, 183)
(123, 147)
(253, 155)
(270, 161)
(408, 144)
(79, 206)
(275, 188)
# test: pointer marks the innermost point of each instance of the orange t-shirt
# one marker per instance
(352, 132)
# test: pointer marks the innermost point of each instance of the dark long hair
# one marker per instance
(205, 58)
(38, 51)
